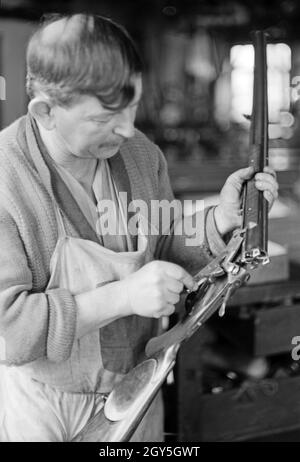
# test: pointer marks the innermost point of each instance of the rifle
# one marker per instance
(128, 402)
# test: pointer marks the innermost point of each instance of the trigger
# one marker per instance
(226, 298)
(194, 296)
(190, 301)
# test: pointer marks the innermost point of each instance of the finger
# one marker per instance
(266, 186)
(189, 282)
(173, 285)
(167, 310)
(172, 298)
(269, 197)
(177, 272)
(170, 309)
(270, 170)
(267, 177)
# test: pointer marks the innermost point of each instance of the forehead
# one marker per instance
(87, 105)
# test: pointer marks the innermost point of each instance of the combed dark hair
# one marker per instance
(93, 55)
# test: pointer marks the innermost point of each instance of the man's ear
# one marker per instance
(42, 111)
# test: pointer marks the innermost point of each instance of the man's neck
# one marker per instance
(83, 169)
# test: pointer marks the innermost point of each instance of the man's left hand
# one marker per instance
(228, 214)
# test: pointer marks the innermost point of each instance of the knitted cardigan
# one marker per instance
(35, 323)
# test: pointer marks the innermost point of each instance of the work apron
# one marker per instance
(36, 410)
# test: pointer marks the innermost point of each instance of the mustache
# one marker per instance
(113, 144)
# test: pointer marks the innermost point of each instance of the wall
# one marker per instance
(14, 35)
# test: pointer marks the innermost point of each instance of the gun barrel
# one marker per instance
(255, 207)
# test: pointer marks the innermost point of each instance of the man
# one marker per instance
(78, 305)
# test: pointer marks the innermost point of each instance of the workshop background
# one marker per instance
(238, 378)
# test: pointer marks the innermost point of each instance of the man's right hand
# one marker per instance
(155, 288)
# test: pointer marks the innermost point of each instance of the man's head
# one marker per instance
(84, 81)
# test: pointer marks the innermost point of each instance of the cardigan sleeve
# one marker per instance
(32, 325)
(192, 241)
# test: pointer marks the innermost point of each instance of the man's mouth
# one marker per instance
(110, 146)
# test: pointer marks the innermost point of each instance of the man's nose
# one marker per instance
(125, 124)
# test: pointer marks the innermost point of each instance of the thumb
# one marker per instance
(189, 281)
(243, 174)
(179, 273)
(236, 179)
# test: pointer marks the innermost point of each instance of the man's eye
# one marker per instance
(100, 122)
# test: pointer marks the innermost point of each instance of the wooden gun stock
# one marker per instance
(255, 207)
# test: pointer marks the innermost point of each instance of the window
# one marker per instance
(279, 66)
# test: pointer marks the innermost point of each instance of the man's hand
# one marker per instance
(155, 288)
(228, 212)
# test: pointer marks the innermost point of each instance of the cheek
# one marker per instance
(80, 135)
(96, 134)
(91, 139)
(67, 128)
